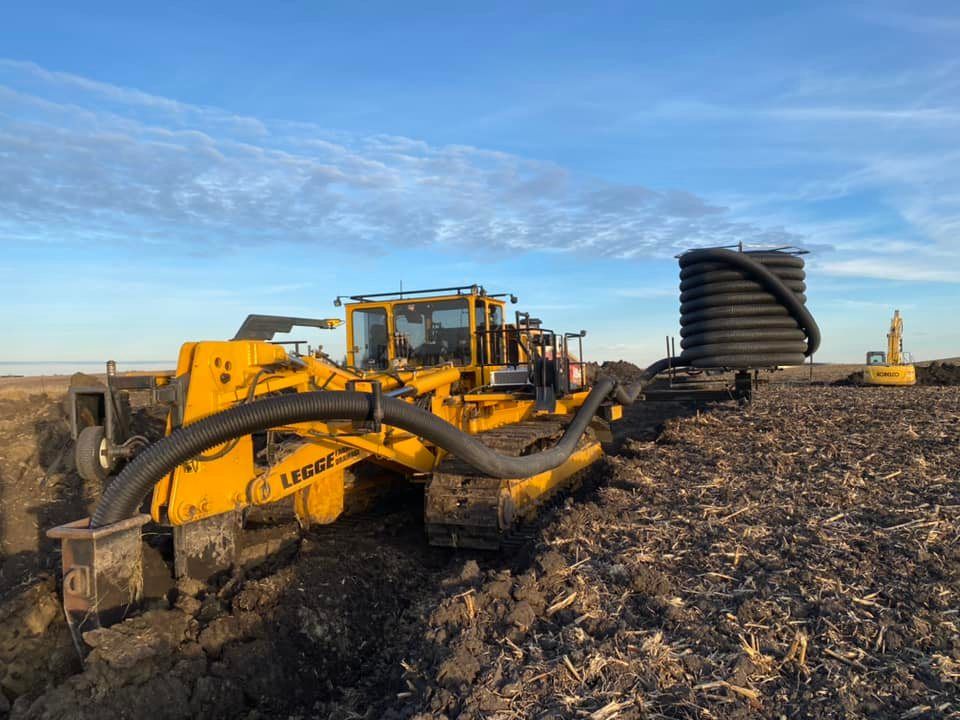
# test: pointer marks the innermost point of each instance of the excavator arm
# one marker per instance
(895, 340)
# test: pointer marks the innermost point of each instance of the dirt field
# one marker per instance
(796, 558)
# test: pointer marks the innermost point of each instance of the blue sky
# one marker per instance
(166, 169)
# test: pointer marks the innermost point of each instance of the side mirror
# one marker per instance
(513, 299)
(337, 302)
(583, 333)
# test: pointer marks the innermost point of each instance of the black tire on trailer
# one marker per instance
(90, 453)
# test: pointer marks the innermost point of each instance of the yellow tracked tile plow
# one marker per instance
(492, 415)
(435, 384)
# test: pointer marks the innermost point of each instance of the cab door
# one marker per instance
(368, 333)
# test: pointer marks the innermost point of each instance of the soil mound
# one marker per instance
(39, 488)
(39, 485)
(625, 372)
(853, 379)
(938, 373)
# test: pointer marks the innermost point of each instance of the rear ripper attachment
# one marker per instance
(437, 388)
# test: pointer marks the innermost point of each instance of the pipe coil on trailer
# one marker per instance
(744, 310)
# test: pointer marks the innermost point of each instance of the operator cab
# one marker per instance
(463, 326)
(460, 326)
(876, 357)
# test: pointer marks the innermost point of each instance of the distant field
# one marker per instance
(821, 372)
(54, 385)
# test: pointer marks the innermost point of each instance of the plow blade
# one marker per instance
(102, 572)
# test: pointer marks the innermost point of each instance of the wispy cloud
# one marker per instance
(862, 112)
(922, 115)
(890, 268)
(108, 97)
(874, 304)
(94, 163)
(86, 162)
(869, 167)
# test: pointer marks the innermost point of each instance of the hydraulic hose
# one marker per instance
(744, 309)
(627, 395)
(124, 495)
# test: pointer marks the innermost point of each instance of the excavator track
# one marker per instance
(465, 509)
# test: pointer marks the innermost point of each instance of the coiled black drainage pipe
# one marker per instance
(744, 310)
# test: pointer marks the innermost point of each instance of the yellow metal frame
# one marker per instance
(890, 375)
(221, 375)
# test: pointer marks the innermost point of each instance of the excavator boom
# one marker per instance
(895, 339)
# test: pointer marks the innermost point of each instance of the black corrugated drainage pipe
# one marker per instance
(124, 495)
(744, 309)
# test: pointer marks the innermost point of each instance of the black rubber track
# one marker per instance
(744, 310)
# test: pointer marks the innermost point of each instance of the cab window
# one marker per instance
(433, 332)
(495, 333)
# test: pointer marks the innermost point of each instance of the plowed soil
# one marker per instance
(799, 557)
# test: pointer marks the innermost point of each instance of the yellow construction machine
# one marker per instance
(894, 367)
(492, 415)
(437, 388)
